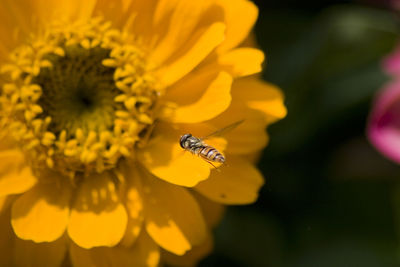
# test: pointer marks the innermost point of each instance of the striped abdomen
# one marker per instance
(211, 154)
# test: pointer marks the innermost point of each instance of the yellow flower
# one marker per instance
(95, 96)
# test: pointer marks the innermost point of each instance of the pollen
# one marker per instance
(78, 98)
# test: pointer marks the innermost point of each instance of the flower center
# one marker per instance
(78, 91)
(78, 98)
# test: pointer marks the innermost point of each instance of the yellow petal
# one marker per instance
(15, 175)
(262, 96)
(140, 22)
(240, 17)
(41, 214)
(5, 203)
(212, 211)
(7, 143)
(6, 240)
(165, 10)
(239, 62)
(133, 229)
(28, 253)
(185, 17)
(97, 218)
(81, 257)
(134, 204)
(47, 10)
(172, 217)
(145, 253)
(192, 257)
(249, 136)
(193, 52)
(214, 98)
(258, 105)
(237, 183)
(117, 11)
(16, 22)
(165, 158)
(145, 250)
(20, 18)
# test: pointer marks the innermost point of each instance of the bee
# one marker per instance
(198, 147)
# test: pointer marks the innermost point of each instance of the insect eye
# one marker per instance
(183, 139)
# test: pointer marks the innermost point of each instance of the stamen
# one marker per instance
(78, 97)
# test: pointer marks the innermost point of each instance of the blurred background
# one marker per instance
(330, 198)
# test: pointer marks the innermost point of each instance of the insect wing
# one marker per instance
(223, 130)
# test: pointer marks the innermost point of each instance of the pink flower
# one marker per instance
(384, 121)
(395, 4)
(391, 64)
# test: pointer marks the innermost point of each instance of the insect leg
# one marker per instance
(213, 165)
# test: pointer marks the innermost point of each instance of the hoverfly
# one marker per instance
(198, 147)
